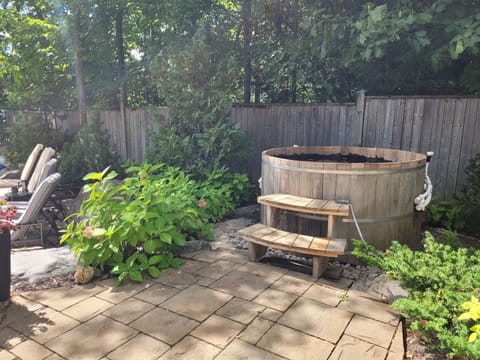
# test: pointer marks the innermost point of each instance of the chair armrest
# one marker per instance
(11, 174)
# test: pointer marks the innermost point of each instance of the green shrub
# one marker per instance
(222, 191)
(28, 130)
(89, 151)
(447, 214)
(439, 279)
(135, 227)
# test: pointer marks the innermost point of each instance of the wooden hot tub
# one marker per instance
(382, 193)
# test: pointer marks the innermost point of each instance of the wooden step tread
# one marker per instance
(304, 205)
(284, 240)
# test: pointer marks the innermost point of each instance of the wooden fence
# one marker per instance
(449, 126)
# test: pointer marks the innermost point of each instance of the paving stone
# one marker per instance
(31, 350)
(17, 312)
(242, 284)
(350, 348)
(10, 338)
(294, 345)
(271, 314)
(91, 340)
(275, 299)
(6, 355)
(192, 266)
(266, 271)
(129, 310)
(191, 348)
(342, 283)
(292, 284)
(26, 303)
(397, 344)
(177, 279)
(217, 269)
(117, 294)
(316, 319)
(140, 347)
(364, 304)
(395, 356)
(240, 310)
(325, 294)
(87, 308)
(54, 357)
(220, 254)
(255, 330)
(164, 325)
(218, 330)
(44, 324)
(62, 298)
(157, 294)
(242, 350)
(371, 331)
(196, 302)
(205, 281)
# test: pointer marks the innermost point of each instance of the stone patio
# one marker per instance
(216, 306)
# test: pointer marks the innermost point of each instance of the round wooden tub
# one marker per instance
(382, 194)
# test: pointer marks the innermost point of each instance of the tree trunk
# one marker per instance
(121, 74)
(246, 14)
(79, 65)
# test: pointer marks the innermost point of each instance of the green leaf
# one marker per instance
(459, 47)
(150, 246)
(176, 262)
(154, 272)
(131, 260)
(166, 237)
(155, 259)
(135, 276)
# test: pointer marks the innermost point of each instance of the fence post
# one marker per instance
(5, 270)
(360, 108)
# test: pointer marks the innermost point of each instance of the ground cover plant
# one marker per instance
(138, 226)
(439, 280)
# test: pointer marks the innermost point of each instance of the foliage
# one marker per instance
(447, 214)
(90, 150)
(473, 313)
(28, 130)
(135, 227)
(439, 279)
(470, 197)
(222, 191)
(198, 136)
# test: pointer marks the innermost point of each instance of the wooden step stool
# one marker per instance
(262, 236)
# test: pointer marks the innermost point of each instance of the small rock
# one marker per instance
(387, 288)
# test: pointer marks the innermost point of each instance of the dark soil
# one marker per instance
(334, 158)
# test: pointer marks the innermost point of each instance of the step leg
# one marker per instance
(256, 251)
(319, 265)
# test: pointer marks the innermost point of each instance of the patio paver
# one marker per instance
(316, 319)
(191, 348)
(295, 345)
(218, 330)
(164, 325)
(196, 302)
(140, 347)
(91, 340)
(217, 307)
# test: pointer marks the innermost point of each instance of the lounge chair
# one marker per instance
(31, 214)
(7, 182)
